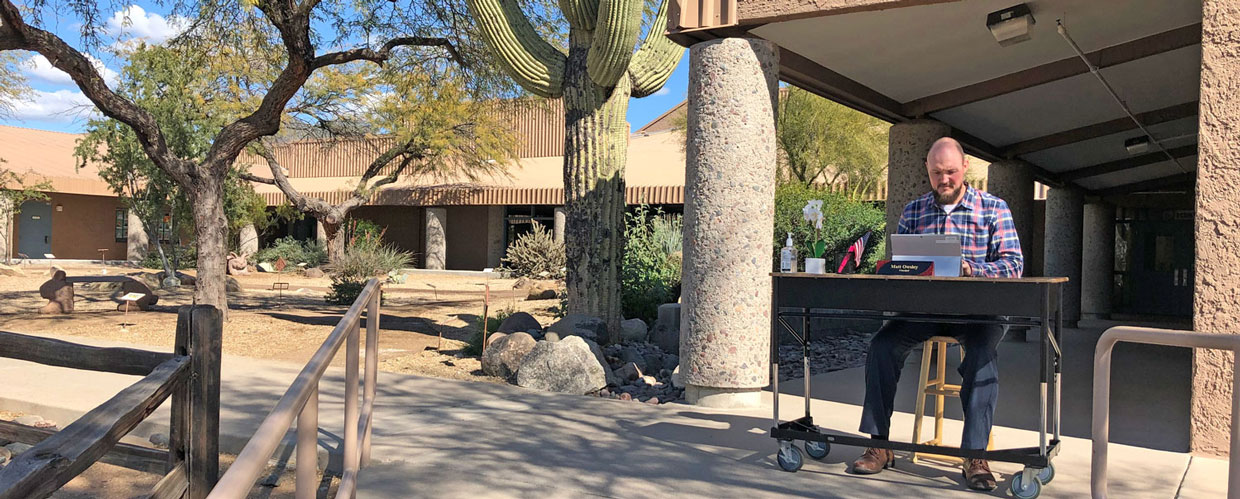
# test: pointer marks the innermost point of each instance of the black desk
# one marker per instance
(1029, 302)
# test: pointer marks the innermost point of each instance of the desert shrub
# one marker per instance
(843, 222)
(188, 257)
(474, 345)
(311, 253)
(359, 263)
(536, 254)
(650, 272)
(344, 291)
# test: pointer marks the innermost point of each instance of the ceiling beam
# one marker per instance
(809, 75)
(1102, 129)
(1058, 70)
(1128, 163)
(1172, 181)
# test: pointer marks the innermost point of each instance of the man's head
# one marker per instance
(946, 164)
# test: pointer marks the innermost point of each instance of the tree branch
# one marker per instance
(380, 56)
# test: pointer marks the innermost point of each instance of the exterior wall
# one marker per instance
(403, 223)
(86, 224)
(1216, 301)
(467, 237)
(907, 145)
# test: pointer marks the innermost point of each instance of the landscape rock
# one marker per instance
(670, 361)
(542, 290)
(678, 381)
(654, 361)
(17, 448)
(631, 354)
(551, 337)
(9, 271)
(232, 286)
(666, 332)
(653, 401)
(47, 425)
(59, 294)
(265, 267)
(494, 337)
(28, 420)
(522, 283)
(503, 357)
(590, 328)
(5, 456)
(628, 372)
(314, 273)
(612, 380)
(135, 286)
(626, 396)
(565, 366)
(171, 282)
(160, 440)
(519, 321)
(633, 330)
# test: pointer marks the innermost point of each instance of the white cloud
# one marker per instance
(662, 91)
(61, 106)
(136, 23)
(41, 69)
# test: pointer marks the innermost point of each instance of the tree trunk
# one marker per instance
(210, 230)
(335, 239)
(595, 149)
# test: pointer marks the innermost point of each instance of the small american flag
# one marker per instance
(854, 253)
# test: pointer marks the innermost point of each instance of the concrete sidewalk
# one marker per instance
(437, 438)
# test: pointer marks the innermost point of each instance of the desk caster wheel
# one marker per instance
(1045, 475)
(790, 458)
(1022, 490)
(817, 450)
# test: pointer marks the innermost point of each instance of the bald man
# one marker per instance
(990, 249)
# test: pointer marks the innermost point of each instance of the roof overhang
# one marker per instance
(1036, 100)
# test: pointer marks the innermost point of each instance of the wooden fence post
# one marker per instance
(195, 435)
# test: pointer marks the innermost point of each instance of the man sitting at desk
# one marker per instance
(991, 249)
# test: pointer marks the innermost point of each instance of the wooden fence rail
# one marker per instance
(72, 355)
(301, 402)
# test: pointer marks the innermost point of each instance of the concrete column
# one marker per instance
(1098, 261)
(495, 235)
(729, 218)
(138, 243)
(560, 216)
(436, 238)
(1216, 297)
(1064, 212)
(907, 145)
(1012, 181)
(247, 241)
(320, 234)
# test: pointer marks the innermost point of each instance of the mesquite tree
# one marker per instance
(595, 80)
(204, 179)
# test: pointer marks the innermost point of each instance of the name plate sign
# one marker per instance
(888, 267)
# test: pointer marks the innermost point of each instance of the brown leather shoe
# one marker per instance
(873, 461)
(978, 476)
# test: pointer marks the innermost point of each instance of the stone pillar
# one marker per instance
(436, 238)
(1098, 261)
(247, 241)
(729, 219)
(907, 146)
(1064, 212)
(560, 216)
(1216, 278)
(495, 235)
(137, 241)
(1012, 181)
(320, 234)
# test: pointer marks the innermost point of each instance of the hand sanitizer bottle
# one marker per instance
(787, 257)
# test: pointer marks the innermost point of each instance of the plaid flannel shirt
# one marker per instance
(988, 237)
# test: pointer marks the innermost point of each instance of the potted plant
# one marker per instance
(815, 245)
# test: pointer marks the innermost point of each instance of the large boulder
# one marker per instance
(598, 354)
(565, 366)
(542, 290)
(633, 331)
(148, 298)
(590, 328)
(59, 294)
(666, 332)
(314, 273)
(232, 286)
(502, 357)
(519, 322)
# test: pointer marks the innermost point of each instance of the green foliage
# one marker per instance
(650, 273)
(363, 261)
(536, 254)
(824, 142)
(357, 231)
(181, 256)
(844, 221)
(13, 85)
(473, 346)
(344, 291)
(312, 253)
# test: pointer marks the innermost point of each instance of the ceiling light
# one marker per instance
(1010, 25)
(1137, 145)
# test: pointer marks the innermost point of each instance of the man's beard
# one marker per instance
(948, 198)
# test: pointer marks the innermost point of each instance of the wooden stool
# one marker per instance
(939, 388)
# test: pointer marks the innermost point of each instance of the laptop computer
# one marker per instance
(942, 249)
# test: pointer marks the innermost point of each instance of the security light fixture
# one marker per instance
(1010, 25)
(1137, 145)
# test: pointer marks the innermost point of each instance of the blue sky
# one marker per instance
(58, 105)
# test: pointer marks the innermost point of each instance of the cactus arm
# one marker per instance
(656, 59)
(581, 14)
(611, 48)
(531, 61)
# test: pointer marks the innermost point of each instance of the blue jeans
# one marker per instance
(979, 392)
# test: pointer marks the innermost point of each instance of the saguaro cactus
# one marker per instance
(595, 79)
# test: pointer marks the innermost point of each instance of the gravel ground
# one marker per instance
(840, 348)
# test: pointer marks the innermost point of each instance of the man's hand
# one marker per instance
(966, 270)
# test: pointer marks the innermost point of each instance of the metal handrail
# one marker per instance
(1102, 394)
(301, 401)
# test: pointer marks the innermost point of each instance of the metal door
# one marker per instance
(34, 229)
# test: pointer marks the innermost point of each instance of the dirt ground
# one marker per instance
(423, 326)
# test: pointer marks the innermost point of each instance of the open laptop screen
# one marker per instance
(942, 249)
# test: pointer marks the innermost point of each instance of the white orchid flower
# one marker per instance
(812, 212)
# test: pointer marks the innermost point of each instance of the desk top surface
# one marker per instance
(847, 277)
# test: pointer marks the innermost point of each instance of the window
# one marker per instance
(122, 225)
